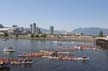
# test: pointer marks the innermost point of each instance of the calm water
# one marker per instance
(98, 58)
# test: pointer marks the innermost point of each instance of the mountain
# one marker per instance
(44, 30)
(90, 31)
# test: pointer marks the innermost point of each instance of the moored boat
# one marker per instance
(10, 49)
(65, 52)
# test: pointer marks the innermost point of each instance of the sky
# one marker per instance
(62, 14)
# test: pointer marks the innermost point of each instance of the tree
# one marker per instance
(81, 34)
(37, 35)
(101, 34)
(32, 35)
(6, 35)
(17, 35)
(94, 36)
(44, 35)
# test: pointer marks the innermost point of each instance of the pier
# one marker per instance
(102, 42)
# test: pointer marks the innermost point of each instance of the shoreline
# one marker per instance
(53, 39)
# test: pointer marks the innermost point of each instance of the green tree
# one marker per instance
(17, 35)
(37, 35)
(32, 35)
(44, 35)
(6, 35)
(94, 36)
(101, 34)
(81, 34)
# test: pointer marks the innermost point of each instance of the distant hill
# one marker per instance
(44, 30)
(90, 31)
(55, 31)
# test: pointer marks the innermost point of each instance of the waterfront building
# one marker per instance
(7, 30)
(18, 30)
(1, 26)
(27, 30)
(33, 28)
(51, 30)
(14, 26)
(37, 30)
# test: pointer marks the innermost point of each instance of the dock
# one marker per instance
(102, 42)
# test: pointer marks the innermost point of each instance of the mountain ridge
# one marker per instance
(91, 30)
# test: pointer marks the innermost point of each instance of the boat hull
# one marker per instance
(67, 58)
(15, 61)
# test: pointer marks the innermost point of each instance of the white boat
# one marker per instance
(72, 41)
(22, 56)
(10, 49)
(50, 57)
(44, 51)
(65, 52)
(77, 47)
(55, 41)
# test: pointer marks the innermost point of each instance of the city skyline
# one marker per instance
(62, 14)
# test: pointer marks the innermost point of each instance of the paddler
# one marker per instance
(6, 66)
(54, 54)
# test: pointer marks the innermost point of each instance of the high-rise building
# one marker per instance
(33, 28)
(1, 26)
(16, 29)
(15, 26)
(51, 30)
(38, 30)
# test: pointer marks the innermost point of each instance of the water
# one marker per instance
(98, 58)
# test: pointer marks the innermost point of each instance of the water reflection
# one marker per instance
(8, 54)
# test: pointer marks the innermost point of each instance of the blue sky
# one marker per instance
(62, 14)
